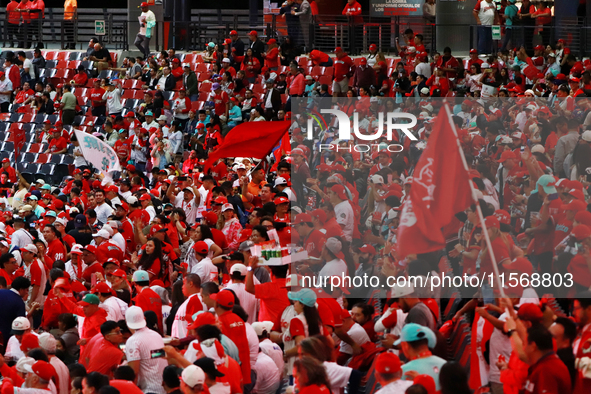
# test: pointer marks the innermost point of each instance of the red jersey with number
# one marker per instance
(149, 300)
(56, 250)
(233, 327)
(108, 250)
(123, 148)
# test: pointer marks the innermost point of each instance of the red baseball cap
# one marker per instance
(388, 363)
(233, 33)
(123, 206)
(253, 33)
(520, 264)
(368, 249)
(202, 319)
(503, 216)
(363, 61)
(427, 382)
(145, 197)
(90, 249)
(144, 4)
(506, 155)
(302, 218)
(583, 217)
(224, 298)
(103, 288)
(492, 222)
(575, 205)
(578, 194)
(530, 312)
(340, 191)
(211, 218)
(221, 200)
(201, 247)
(119, 273)
(373, 47)
(473, 51)
(281, 200)
(320, 215)
(157, 228)
(41, 368)
(29, 341)
(581, 232)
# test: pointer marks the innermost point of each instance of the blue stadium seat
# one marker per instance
(76, 56)
(56, 159)
(52, 118)
(50, 64)
(28, 127)
(28, 157)
(87, 64)
(40, 118)
(8, 146)
(67, 159)
(46, 169)
(15, 117)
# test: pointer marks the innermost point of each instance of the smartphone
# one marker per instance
(157, 353)
(488, 70)
(122, 347)
(182, 178)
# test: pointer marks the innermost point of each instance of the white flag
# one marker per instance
(97, 152)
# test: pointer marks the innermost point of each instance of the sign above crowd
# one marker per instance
(98, 152)
(380, 8)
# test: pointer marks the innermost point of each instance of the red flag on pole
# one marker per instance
(440, 189)
(250, 139)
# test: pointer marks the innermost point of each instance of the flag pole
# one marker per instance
(477, 204)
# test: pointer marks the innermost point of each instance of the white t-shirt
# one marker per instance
(423, 69)
(138, 348)
(357, 334)
(338, 376)
(118, 308)
(335, 267)
(5, 86)
(13, 348)
(247, 300)
(486, 12)
(29, 64)
(499, 344)
(103, 212)
(268, 375)
(206, 270)
(345, 217)
(397, 387)
(191, 208)
(180, 324)
(273, 350)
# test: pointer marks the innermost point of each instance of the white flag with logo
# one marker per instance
(98, 152)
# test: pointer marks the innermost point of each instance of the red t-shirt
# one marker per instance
(108, 250)
(318, 57)
(220, 100)
(232, 375)
(96, 97)
(123, 149)
(142, 214)
(56, 145)
(56, 250)
(314, 243)
(149, 300)
(273, 296)
(548, 375)
(96, 267)
(501, 252)
(101, 356)
(582, 384)
(272, 58)
(80, 79)
(342, 67)
(233, 327)
(314, 389)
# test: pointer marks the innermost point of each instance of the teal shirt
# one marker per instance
(510, 12)
(429, 366)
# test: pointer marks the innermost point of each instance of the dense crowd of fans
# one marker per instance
(150, 280)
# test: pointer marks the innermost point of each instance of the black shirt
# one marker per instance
(81, 238)
(101, 54)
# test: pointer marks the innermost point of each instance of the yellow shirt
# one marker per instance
(70, 9)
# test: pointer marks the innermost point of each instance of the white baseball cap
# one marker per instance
(102, 233)
(24, 362)
(239, 267)
(30, 248)
(41, 181)
(227, 207)
(131, 200)
(107, 227)
(47, 342)
(377, 179)
(134, 317)
(61, 221)
(280, 181)
(21, 323)
(192, 375)
(401, 291)
(261, 326)
(586, 136)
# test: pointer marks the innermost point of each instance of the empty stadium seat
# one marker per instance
(42, 157)
(73, 64)
(49, 55)
(28, 157)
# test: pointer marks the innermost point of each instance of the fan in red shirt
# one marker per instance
(342, 65)
(176, 70)
(306, 367)
(123, 146)
(220, 99)
(58, 144)
(52, 307)
(448, 63)
(99, 106)
(272, 55)
(320, 58)
(92, 264)
(233, 327)
(6, 167)
(102, 353)
(251, 66)
(146, 298)
(106, 249)
(81, 77)
(94, 316)
(55, 247)
(24, 93)
(353, 8)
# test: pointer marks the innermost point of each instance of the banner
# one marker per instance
(440, 189)
(97, 152)
(250, 139)
(381, 8)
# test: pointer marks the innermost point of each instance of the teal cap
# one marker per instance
(140, 276)
(415, 332)
(305, 296)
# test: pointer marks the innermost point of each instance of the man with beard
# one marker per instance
(313, 239)
(103, 210)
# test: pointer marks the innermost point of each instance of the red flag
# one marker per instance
(440, 189)
(250, 139)
(18, 137)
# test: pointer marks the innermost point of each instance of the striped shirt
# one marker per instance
(138, 348)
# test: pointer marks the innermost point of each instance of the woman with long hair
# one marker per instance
(151, 259)
(177, 299)
(307, 322)
(230, 226)
(251, 66)
(310, 376)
